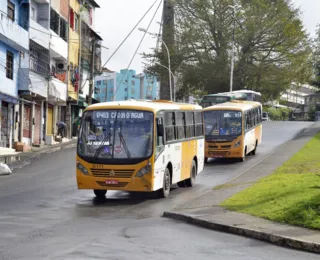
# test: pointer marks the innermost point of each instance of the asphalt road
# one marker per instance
(44, 216)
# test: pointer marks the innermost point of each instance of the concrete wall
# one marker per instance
(11, 31)
(8, 86)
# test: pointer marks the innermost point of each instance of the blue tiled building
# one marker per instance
(114, 86)
(14, 47)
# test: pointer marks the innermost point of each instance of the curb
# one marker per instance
(27, 161)
(251, 233)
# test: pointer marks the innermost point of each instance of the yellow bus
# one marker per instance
(142, 146)
(232, 129)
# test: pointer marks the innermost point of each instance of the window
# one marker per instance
(180, 125)
(76, 23)
(132, 82)
(33, 14)
(9, 66)
(63, 29)
(189, 124)
(54, 21)
(198, 123)
(11, 11)
(169, 122)
(98, 82)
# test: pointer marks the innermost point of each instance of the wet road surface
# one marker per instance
(44, 216)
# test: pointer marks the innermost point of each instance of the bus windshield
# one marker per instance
(116, 134)
(223, 123)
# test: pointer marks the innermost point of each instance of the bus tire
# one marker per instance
(243, 159)
(165, 190)
(193, 174)
(255, 148)
(100, 194)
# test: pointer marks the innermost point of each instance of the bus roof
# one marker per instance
(150, 105)
(234, 105)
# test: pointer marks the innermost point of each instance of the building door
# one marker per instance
(26, 124)
(37, 126)
(50, 121)
(5, 131)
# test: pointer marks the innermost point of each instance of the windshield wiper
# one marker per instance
(124, 144)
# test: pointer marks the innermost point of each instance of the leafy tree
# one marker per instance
(315, 81)
(271, 48)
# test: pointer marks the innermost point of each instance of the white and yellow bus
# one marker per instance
(232, 129)
(140, 146)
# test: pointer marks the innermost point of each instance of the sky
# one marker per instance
(115, 19)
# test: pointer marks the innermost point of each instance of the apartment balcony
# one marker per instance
(13, 33)
(85, 16)
(58, 47)
(58, 88)
(39, 34)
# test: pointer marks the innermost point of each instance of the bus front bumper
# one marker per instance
(141, 184)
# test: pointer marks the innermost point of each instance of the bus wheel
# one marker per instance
(100, 194)
(193, 173)
(165, 190)
(243, 159)
(205, 159)
(255, 149)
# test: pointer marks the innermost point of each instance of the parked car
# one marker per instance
(265, 116)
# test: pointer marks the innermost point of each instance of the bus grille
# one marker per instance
(223, 153)
(112, 173)
(118, 185)
(225, 146)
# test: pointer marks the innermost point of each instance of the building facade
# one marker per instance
(14, 48)
(114, 86)
(40, 62)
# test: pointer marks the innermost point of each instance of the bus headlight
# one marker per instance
(143, 171)
(237, 144)
(82, 168)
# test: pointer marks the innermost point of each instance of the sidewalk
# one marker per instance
(20, 159)
(205, 212)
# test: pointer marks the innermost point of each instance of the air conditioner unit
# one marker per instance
(60, 66)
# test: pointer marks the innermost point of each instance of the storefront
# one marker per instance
(6, 120)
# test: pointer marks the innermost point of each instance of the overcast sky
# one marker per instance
(115, 19)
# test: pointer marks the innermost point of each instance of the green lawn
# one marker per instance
(290, 195)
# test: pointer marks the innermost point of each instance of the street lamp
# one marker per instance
(174, 85)
(233, 46)
(168, 53)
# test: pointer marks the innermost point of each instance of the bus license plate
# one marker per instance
(218, 156)
(112, 182)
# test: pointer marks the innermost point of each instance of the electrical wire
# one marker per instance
(135, 53)
(130, 33)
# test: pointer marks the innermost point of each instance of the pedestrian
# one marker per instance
(61, 128)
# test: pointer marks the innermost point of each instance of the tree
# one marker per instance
(271, 48)
(315, 81)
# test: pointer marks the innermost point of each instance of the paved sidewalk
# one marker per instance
(204, 210)
(19, 160)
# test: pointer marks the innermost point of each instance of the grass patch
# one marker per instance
(290, 195)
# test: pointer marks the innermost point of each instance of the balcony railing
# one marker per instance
(15, 33)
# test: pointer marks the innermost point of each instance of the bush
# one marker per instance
(277, 114)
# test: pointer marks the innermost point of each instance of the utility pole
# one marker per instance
(91, 72)
(168, 38)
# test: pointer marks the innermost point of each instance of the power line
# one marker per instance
(130, 32)
(138, 46)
